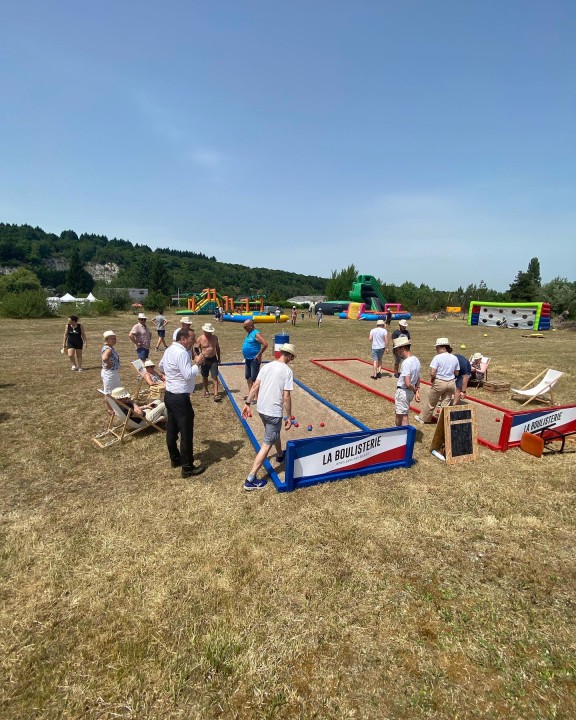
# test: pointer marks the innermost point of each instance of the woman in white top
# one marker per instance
(443, 371)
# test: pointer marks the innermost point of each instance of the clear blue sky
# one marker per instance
(423, 140)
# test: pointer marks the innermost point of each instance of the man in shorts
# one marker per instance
(210, 349)
(408, 384)
(160, 322)
(272, 389)
(253, 348)
(141, 336)
(379, 338)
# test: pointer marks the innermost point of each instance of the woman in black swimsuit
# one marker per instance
(74, 341)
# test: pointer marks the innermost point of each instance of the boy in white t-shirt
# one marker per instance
(272, 387)
(379, 338)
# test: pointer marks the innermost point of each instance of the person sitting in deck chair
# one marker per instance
(153, 411)
(151, 374)
(477, 373)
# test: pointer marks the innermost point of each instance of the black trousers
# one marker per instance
(180, 422)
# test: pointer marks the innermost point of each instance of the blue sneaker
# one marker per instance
(255, 484)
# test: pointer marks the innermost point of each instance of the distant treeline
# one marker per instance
(164, 271)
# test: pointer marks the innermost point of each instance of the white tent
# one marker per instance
(91, 298)
(67, 298)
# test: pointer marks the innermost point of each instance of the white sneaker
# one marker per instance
(418, 419)
(80, 369)
(73, 367)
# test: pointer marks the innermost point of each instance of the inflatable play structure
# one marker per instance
(366, 302)
(244, 308)
(258, 317)
(523, 316)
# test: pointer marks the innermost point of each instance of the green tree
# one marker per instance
(159, 278)
(534, 272)
(21, 280)
(77, 279)
(340, 283)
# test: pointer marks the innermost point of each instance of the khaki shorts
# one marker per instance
(402, 399)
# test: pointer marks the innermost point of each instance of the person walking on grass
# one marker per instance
(379, 338)
(73, 342)
(181, 372)
(272, 393)
(161, 322)
(319, 316)
(210, 349)
(408, 384)
(444, 369)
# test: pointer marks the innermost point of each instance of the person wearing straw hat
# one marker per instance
(444, 369)
(272, 393)
(141, 336)
(185, 324)
(210, 349)
(476, 373)
(408, 384)
(402, 330)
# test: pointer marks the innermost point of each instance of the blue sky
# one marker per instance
(429, 141)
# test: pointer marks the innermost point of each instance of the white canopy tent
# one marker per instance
(67, 298)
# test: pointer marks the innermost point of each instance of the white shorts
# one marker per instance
(403, 398)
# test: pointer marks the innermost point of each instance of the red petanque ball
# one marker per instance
(497, 419)
(293, 417)
(321, 424)
(296, 424)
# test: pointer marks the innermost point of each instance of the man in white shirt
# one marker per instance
(180, 372)
(272, 388)
(408, 384)
(379, 338)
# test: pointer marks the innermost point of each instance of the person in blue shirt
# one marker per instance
(253, 348)
(462, 378)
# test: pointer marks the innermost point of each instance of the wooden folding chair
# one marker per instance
(542, 392)
(142, 391)
(123, 423)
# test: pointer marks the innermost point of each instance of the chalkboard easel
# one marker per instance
(456, 434)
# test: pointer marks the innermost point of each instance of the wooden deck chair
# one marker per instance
(484, 362)
(542, 392)
(123, 423)
(142, 391)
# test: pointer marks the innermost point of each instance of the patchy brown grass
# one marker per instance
(434, 592)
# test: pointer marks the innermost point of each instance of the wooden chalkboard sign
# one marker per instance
(456, 434)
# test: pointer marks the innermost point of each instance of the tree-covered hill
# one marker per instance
(163, 270)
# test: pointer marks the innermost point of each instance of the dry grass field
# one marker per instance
(435, 592)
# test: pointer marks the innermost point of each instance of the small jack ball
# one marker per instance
(309, 427)
(463, 347)
(497, 419)
(321, 424)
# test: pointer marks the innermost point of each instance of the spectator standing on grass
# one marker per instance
(110, 372)
(210, 349)
(464, 372)
(253, 347)
(186, 324)
(160, 322)
(319, 316)
(277, 315)
(272, 393)
(181, 372)
(402, 330)
(141, 336)
(293, 315)
(379, 339)
(73, 342)
(408, 384)
(310, 309)
(444, 369)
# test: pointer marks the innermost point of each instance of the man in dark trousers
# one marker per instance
(402, 330)
(180, 373)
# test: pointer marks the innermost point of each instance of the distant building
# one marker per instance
(306, 299)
